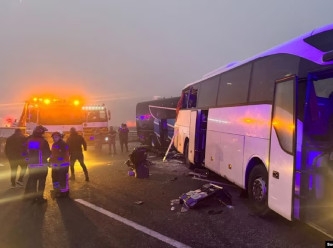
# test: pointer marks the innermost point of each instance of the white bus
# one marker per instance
(266, 125)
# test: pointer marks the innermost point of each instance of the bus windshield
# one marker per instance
(323, 87)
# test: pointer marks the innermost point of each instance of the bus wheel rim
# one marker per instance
(259, 189)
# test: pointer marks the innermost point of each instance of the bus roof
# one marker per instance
(310, 46)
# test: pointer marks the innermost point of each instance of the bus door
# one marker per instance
(314, 177)
(282, 148)
(197, 142)
(192, 135)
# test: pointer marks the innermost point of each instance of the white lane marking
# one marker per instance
(136, 226)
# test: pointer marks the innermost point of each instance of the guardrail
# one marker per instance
(133, 136)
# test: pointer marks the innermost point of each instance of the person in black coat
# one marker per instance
(38, 153)
(15, 152)
(75, 143)
(123, 137)
(112, 140)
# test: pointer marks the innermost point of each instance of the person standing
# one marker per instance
(112, 140)
(75, 143)
(38, 152)
(99, 139)
(15, 152)
(123, 136)
(59, 161)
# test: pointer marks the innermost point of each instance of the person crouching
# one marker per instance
(59, 162)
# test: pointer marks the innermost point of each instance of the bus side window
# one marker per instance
(192, 101)
(185, 100)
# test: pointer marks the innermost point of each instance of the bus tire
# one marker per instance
(258, 190)
(187, 162)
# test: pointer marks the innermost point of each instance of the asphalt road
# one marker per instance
(118, 210)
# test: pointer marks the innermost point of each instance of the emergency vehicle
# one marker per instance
(58, 114)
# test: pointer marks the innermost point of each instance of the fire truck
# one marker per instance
(59, 114)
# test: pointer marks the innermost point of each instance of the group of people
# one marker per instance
(35, 154)
(123, 138)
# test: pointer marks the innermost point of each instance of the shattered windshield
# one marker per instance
(323, 87)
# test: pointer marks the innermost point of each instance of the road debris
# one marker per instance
(197, 175)
(175, 201)
(192, 198)
(213, 182)
(173, 179)
(213, 212)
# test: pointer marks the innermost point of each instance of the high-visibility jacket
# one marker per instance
(59, 154)
(38, 151)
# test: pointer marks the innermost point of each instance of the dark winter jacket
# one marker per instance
(112, 136)
(75, 143)
(123, 133)
(15, 146)
(38, 150)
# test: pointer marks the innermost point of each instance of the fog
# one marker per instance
(123, 52)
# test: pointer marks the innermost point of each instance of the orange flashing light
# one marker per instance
(49, 100)
(254, 121)
(248, 120)
(280, 124)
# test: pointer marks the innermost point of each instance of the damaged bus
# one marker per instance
(155, 122)
(266, 125)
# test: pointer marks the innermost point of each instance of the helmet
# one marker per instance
(39, 130)
(57, 134)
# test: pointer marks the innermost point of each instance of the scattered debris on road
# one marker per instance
(213, 212)
(173, 179)
(192, 198)
(202, 175)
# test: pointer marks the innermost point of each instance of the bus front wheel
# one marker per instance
(258, 189)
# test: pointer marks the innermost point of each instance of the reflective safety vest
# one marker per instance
(37, 154)
(59, 154)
